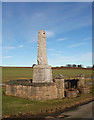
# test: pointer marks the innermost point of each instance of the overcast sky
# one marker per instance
(68, 29)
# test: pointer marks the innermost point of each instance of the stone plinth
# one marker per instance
(42, 74)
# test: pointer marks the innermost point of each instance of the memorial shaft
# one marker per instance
(42, 50)
(42, 73)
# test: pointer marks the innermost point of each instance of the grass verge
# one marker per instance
(15, 106)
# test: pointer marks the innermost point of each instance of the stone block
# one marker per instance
(42, 74)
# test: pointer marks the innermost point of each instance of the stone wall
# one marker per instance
(19, 91)
(42, 92)
(38, 91)
(46, 92)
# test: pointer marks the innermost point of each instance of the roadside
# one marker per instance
(55, 113)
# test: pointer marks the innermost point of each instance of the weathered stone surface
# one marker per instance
(42, 73)
(84, 89)
(59, 76)
(27, 83)
(42, 51)
(43, 92)
(81, 78)
(60, 88)
(71, 93)
(36, 91)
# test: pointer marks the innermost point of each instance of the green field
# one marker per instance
(16, 73)
(14, 105)
(22, 73)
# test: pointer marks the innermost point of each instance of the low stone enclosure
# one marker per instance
(35, 91)
(60, 88)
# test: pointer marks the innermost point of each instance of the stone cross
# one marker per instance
(42, 50)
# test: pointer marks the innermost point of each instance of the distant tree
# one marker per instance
(61, 66)
(74, 65)
(80, 66)
(68, 65)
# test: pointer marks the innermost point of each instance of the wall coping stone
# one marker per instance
(59, 76)
(28, 83)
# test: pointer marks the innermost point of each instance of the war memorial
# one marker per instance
(43, 86)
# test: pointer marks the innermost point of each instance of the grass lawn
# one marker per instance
(22, 73)
(13, 105)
